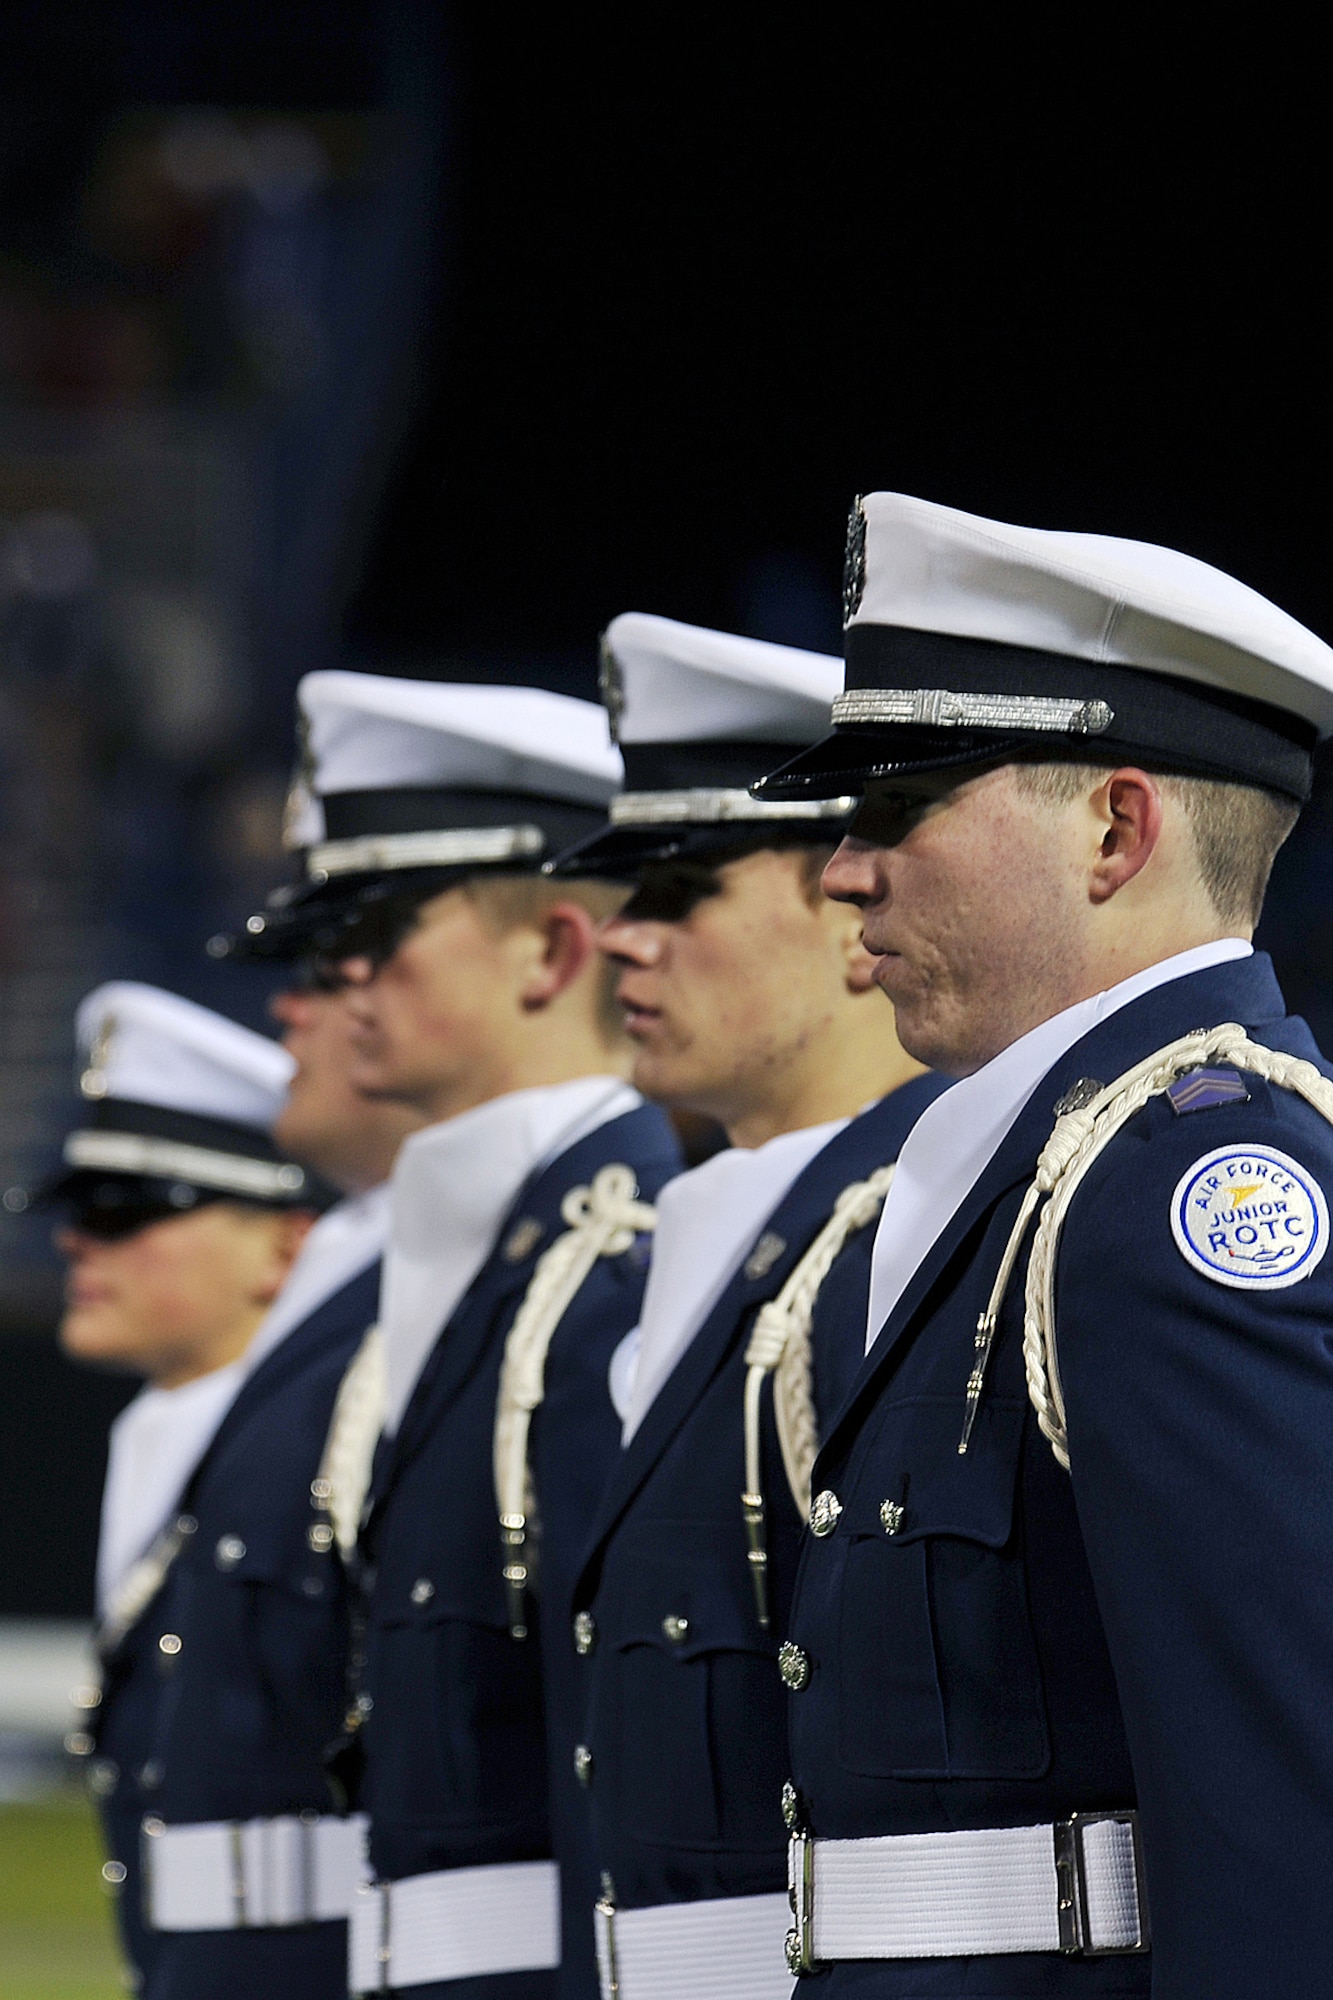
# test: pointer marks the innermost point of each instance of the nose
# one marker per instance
(358, 971)
(292, 1008)
(630, 942)
(853, 874)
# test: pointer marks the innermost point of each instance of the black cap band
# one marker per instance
(694, 799)
(413, 841)
(957, 701)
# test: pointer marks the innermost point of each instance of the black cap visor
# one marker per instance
(342, 911)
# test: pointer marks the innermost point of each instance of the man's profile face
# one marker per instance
(968, 890)
(426, 1021)
(317, 1034)
(723, 975)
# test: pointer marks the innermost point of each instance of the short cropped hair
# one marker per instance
(1237, 829)
(503, 902)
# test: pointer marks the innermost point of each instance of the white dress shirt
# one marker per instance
(451, 1189)
(707, 1222)
(956, 1137)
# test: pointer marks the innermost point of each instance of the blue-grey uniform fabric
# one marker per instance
(1154, 1630)
(455, 1747)
(688, 1733)
(235, 1724)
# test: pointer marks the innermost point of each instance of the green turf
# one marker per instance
(55, 1915)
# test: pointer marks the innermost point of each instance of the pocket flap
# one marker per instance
(933, 1489)
(684, 1608)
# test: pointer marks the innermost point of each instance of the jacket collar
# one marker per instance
(1244, 990)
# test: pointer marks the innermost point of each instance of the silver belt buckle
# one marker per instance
(1071, 1874)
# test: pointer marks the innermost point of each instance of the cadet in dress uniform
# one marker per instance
(223, 1616)
(515, 1266)
(750, 999)
(1061, 1649)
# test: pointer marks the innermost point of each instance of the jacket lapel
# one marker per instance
(868, 1142)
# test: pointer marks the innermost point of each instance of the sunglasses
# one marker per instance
(114, 1210)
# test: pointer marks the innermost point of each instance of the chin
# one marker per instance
(84, 1336)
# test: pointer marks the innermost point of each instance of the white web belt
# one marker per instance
(460, 1923)
(1073, 1887)
(226, 1875)
(729, 1949)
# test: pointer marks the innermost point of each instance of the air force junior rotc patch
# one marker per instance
(1250, 1217)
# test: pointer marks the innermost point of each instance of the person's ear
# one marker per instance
(288, 1231)
(564, 942)
(1127, 813)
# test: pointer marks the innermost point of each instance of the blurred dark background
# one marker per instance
(425, 339)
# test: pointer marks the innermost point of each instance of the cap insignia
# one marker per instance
(93, 1081)
(854, 562)
(764, 1255)
(522, 1240)
(611, 686)
(1078, 1096)
(301, 790)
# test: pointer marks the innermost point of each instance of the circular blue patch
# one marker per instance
(1250, 1217)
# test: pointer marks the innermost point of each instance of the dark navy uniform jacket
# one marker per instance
(234, 1724)
(455, 1744)
(1157, 1628)
(687, 1732)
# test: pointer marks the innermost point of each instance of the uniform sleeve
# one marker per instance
(1198, 1378)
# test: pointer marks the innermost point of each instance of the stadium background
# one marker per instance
(424, 339)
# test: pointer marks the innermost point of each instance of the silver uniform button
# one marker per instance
(676, 1629)
(320, 1537)
(169, 1644)
(114, 1873)
(793, 1665)
(422, 1590)
(824, 1512)
(583, 1764)
(585, 1633)
(891, 1514)
(229, 1551)
(103, 1777)
(78, 1743)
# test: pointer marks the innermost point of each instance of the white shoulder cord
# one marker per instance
(1080, 1136)
(780, 1341)
(603, 1222)
(343, 1480)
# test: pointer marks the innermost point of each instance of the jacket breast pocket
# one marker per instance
(687, 1724)
(938, 1669)
(456, 1732)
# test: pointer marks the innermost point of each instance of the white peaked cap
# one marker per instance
(369, 733)
(972, 641)
(1090, 597)
(664, 682)
(141, 1044)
